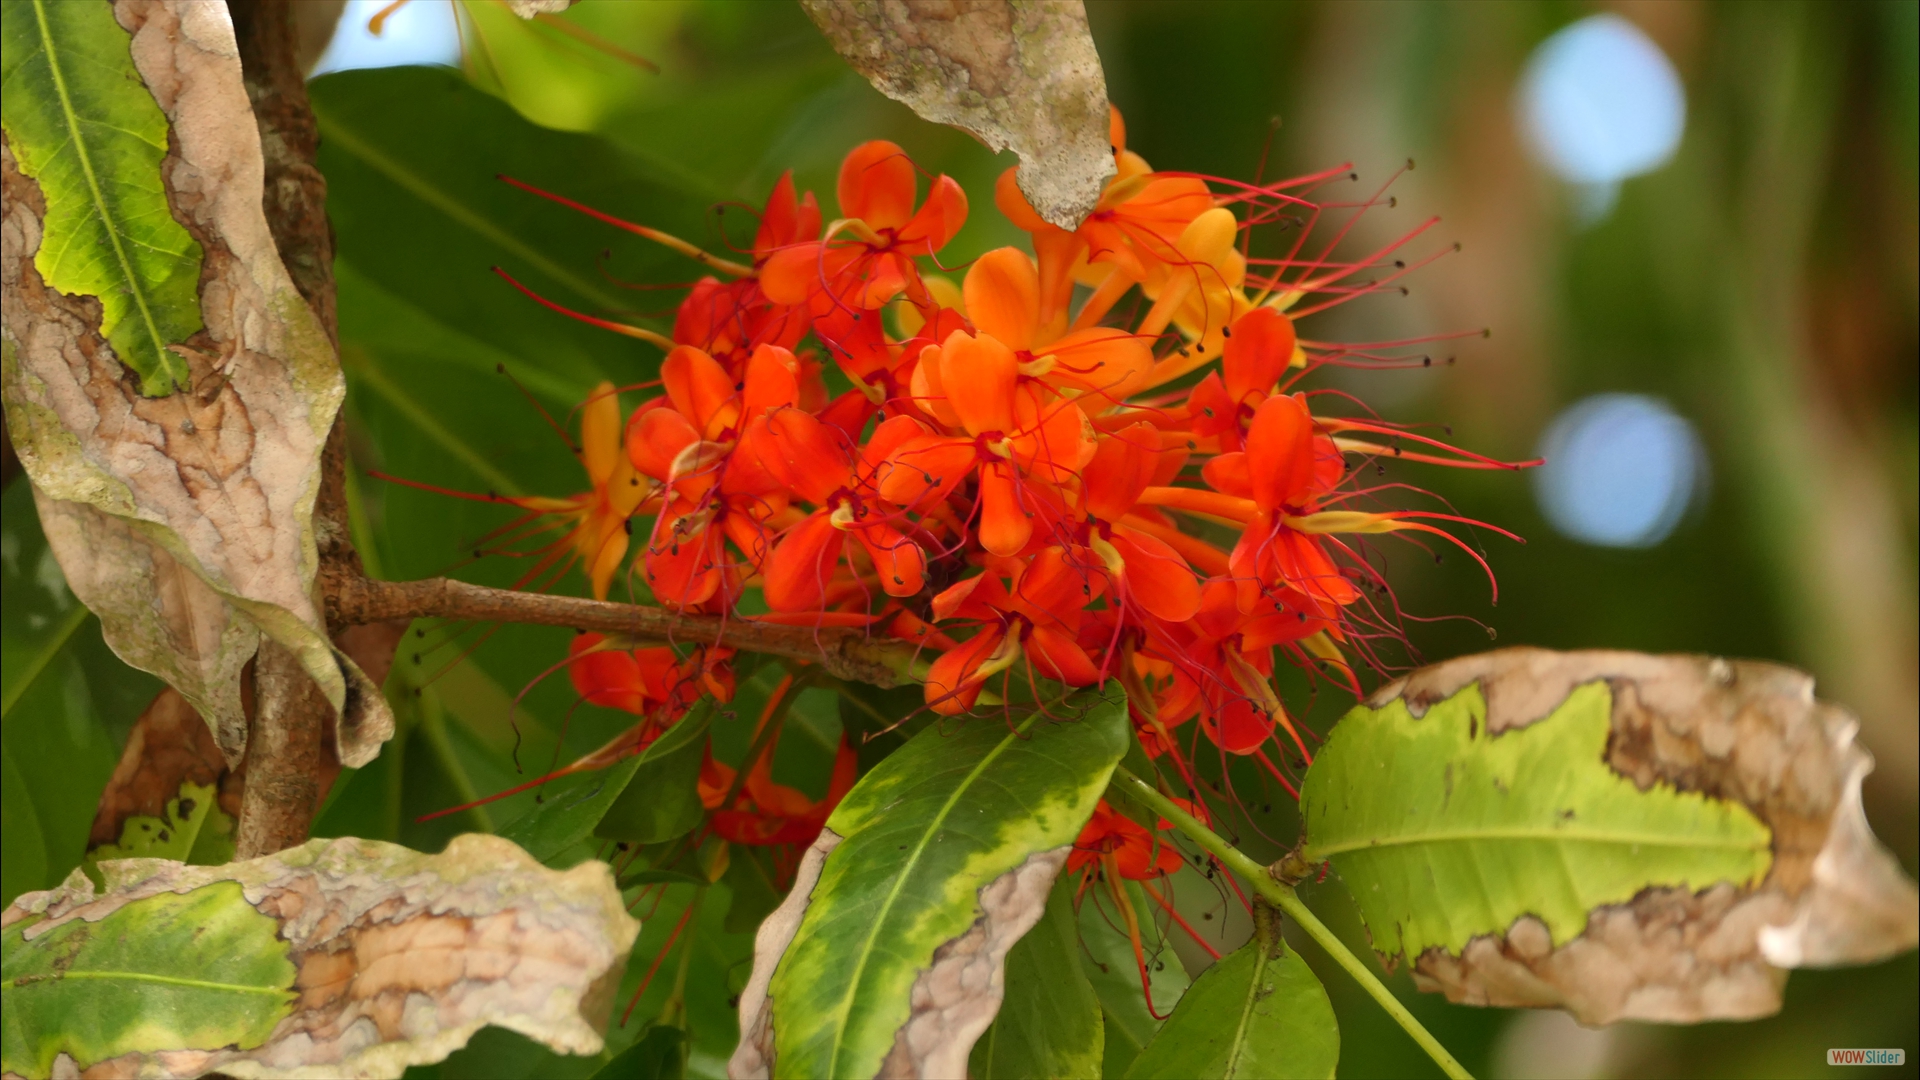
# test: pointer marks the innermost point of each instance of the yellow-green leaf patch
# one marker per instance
(1443, 831)
(81, 122)
(939, 820)
(178, 971)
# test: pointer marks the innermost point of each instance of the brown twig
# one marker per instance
(290, 753)
(841, 652)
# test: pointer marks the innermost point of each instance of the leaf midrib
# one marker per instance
(899, 882)
(1536, 833)
(1246, 1012)
(93, 187)
(146, 977)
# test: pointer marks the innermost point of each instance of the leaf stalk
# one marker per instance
(1283, 897)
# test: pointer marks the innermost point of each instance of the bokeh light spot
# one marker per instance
(1600, 102)
(1621, 470)
(420, 32)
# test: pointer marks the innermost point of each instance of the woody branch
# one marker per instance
(844, 653)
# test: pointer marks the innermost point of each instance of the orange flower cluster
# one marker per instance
(1024, 473)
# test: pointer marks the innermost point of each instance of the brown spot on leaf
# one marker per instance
(1738, 730)
(399, 957)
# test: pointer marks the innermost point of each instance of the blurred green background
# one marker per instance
(1759, 286)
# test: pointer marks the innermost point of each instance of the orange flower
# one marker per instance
(597, 536)
(883, 233)
(1133, 230)
(811, 458)
(767, 814)
(1116, 842)
(1002, 293)
(1032, 608)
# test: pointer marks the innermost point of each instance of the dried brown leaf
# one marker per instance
(399, 957)
(1739, 730)
(171, 747)
(1012, 73)
(185, 521)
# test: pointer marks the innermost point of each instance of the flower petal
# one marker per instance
(1005, 528)
(796, 574)
(977, 378)
(876, 185)
(1002, 291)
(1258, 352)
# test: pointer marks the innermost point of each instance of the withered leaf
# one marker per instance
(171, 751)
(1012, 73)
(1746, 732)
(392, 958)
(185, 521)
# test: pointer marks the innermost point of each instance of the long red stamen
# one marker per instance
(641, 333)
(653, 970)
(1167, 906)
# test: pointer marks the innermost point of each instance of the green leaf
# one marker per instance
(755, 894)
(68, 704)
(191, 829)
(82, 123)
(1049, 1022)
(1108, 961)
(575, 806)
(661, 877)
(925, 831)
(24, 867)
(192, 971)
(1249, 1015)
(662, 801)
(175, 956)
(660, 1054)
(1443, 831)
(413, 194)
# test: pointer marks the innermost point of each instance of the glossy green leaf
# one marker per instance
(755, 892)
(25, 866)
(660, 877)
(662, 801)
(575, 805)
(1251, 1015)
(419, 211)
(660, 1054)
(1114, 973)
(1443, 831)
(925, 831)
(1049, 1022)
(82, 123)
(186, 971)
(69, 702)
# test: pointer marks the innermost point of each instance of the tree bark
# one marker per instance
(290, 754)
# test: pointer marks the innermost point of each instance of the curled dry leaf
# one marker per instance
(183, 521)
(1012, 73)
(339, 958)
(171, 763)
(1742, 733)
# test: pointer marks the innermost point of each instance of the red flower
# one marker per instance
(767, 814)
(873, 262)
(1117, 843)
